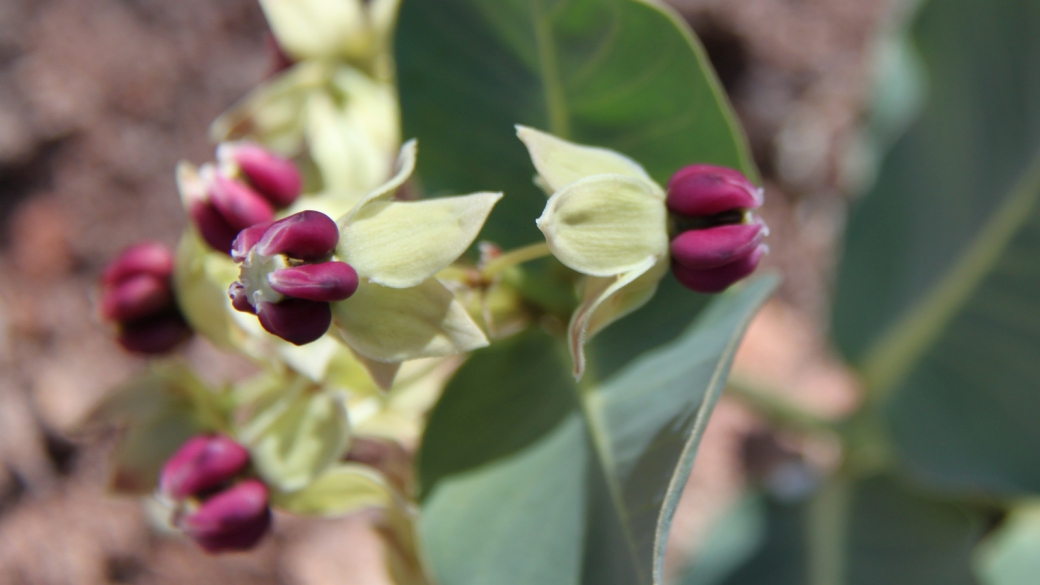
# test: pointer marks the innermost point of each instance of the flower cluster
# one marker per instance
(137, 295)
(215, 504)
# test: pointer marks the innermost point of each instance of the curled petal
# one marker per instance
(401, 244)
(308, 235)
(295, 320)
(713, 247)
(274, 177)
(154, 336)
(202, 464)
(403, 169)
(699, 190)
(399, 324)
(142, 258)
(232, 520)
(238, 203)
(718, 279)
(136, 297)
(606, 225)
(560, 163)
(325, 282)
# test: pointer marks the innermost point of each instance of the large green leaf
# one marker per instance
(1009, 556)
(529, 478)
(869, 532)
(939, 293)
(622, 74)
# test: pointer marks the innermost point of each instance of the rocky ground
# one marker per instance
(100, 98)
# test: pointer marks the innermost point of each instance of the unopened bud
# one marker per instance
(246, 239)
(308, 235)
(232, 520)
(325, 282)
(295, 320)
(143, 258)
(202, 464)
(214, 229)
(154, 336)
(274, 177)
(720, 239)
(136, 297)
(240, 206)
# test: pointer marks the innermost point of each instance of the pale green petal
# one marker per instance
(317, 29)
(297, 438)
(605, 300)
(351, 163)
(403, 170)
(382, 373)
(201, 278)
(274, 113)
(399, 324)
(560, 163)
(606, 224)
(384, 16)
(402, 243)
(371, 107)
(341, 490)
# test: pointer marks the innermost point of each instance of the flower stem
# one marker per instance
(515, 257)
(776, 408)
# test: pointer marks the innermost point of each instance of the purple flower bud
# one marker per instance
(325, 282)
(142, 258)
(274, 177)
(240, 298)
(701, 190)
(246, 239)
(136, 297)
(232, 520)
(712, 247)
(238, 204)
(713, 280)
(214, 229)
(202, 464)
(308, 235)
(295, 320)
(720, 240)
(155, 335)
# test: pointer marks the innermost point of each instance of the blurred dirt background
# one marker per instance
(98, 101)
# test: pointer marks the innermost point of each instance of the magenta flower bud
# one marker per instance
(702, 190)
(720, 239)
(143, 258)
(155, 335)
(238, 204)
(274, 177)
(308, 235)
(715, 280)
(214, 229)
(325, 282)
(240, 298)
(297, 321)
(232, 520)
(202, 464)
(246, 239)
(715, 246)
(136, 297)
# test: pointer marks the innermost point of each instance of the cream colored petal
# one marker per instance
(603, 303)
(382, 373)
(403, 170)
(315, 29)
(606, 224)
(560, 163)
(341, 490)
(399, 324)
(350, 162)
(402, 243)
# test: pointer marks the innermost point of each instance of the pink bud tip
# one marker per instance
(240, 299)
(713, 280)
(701, 190)
(136, 297)
(325, 282)
(202, 464)
(154, 336)
(240, 206)
(214, 229)
(142, 258)
(308, 235)
(715, 246)
(274, 177)
(295, 320)
(232, 520)
(246, 239)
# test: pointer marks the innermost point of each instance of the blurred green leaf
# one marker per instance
(621, 74)
(938, 298)
(1009, 556)
(869, 532)
(531, 479)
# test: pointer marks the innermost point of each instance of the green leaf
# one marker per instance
(1008, 556)
(621, 74)
(529, 478)
(938, 297)
(868, 532)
